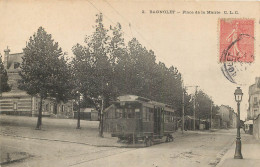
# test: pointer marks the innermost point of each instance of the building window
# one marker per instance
(15, 106)
(47, 107)
(51, 108)
(255, 103)
(62, 108)
(16, 65)
(255, 100)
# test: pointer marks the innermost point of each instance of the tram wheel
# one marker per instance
(170, 138)
(148, 142)
(167, 139)
(151, 142)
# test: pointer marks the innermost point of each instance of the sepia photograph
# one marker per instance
(129, 83)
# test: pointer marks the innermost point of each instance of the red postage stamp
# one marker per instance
(236, 40)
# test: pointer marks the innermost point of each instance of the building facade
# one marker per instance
(18, 102)
(253, 112)
(227, 117)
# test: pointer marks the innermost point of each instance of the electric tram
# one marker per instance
(134, 118)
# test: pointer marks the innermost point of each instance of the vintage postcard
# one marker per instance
(153, 83)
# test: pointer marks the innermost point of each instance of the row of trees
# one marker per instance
(105, 65)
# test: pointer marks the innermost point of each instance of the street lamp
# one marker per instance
(238, 97)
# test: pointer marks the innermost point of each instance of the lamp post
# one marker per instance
(238, 97)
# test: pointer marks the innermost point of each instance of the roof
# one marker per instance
(87, 110)
(14, 58)
(133, 98)
(17, 93)
(190, 117)
(108, 108)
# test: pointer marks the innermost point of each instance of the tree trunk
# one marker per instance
(55, 108)
(78, 123)
(39, 121)
(99, 125)
(101, 119)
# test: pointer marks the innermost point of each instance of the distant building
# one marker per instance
(232, 118)
(227, 117)
(253, 112)
(216, 122)
(18, 102)
(87, 114)
(249, 127)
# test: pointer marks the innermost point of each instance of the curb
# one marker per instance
(225, 150)
(94, 145)
(15, 160)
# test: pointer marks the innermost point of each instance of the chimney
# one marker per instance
(7, 50)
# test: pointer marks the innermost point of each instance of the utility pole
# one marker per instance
(194, 113)
(183, 108)
(101, 117)
(211, 105)
(194, 104)
(78, 123)
(101, 110)
(0, 85)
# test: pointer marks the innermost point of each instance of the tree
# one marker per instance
(203, 102)
(92, 66)
(140, 66)
(107, 66)
(44, 71)
(119, 59)
(4, 87)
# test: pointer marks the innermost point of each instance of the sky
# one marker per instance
(187, 41)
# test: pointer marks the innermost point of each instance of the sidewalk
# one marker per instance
(62, 130)
(250, 153)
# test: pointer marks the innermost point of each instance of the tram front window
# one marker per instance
(137, 113)
(130, 113)
(119, 113)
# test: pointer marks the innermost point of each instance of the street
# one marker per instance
(129, 83)
(195, 150)
(60, 144)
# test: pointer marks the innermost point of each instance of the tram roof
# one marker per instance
(134, 98)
